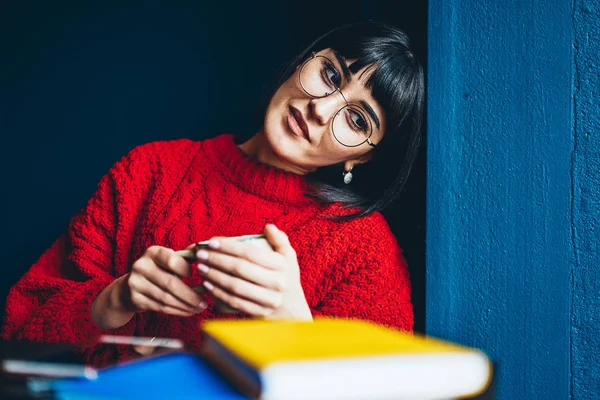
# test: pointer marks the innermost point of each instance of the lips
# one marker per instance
(298, 119)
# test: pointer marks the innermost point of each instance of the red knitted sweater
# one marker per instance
(179, 192)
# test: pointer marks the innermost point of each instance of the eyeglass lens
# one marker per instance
(320, 78)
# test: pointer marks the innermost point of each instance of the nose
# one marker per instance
(324, 108)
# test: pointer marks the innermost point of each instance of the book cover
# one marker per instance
(339, 358)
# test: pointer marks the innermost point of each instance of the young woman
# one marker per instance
(340, 134)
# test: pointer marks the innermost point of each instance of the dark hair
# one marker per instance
(397, 84)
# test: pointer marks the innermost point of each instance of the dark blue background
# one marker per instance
(82, 83)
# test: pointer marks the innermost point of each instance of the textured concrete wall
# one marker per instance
(585, 330)
(512, 209)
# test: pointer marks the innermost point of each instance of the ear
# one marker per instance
(349, 164)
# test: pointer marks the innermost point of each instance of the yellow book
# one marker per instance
(341, 359)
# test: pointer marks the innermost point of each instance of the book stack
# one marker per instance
(291, 360)
(341, 359)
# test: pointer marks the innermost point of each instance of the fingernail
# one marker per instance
(214, 244)
(202, 255)
(202, 305)
(208, 285)
(203, 268)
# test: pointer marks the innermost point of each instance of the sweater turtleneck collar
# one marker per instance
(252, 176)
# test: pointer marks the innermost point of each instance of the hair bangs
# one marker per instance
(392, 79)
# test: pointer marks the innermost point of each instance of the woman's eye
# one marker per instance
(331, 75)
(358, 122)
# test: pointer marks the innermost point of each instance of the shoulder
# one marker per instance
(165, 152)
(177, 153)
(144, 166)
(155, 159)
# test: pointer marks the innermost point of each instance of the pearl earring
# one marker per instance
(347, 176)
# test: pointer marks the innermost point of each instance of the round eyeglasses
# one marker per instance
(320, 78)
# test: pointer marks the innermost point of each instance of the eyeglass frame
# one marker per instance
(348, 104)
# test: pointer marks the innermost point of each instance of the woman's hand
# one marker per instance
(257, 281)
(154, 284)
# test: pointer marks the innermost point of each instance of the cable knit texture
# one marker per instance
(179, 192)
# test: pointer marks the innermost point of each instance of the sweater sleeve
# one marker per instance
(51, 302)
(377, 288)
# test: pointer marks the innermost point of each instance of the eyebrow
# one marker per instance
(370, 111)
(345, 68)
(348, 76)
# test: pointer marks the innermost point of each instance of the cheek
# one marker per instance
(273, 115)
(275, 105)
(278, 106)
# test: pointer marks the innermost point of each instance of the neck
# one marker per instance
(259, 148)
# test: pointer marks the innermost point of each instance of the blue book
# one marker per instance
(171, 376)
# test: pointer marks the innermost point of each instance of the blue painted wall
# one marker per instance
(513, 193)
(585, 329)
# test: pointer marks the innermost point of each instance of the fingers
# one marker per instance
(242, 288)
(158, 266)
(145, 303)
(169, 260)
(146, 288)
(242, 250)
(174, 286)
(189, 253)
(243, 305)
(279, 240)
(239, 267)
